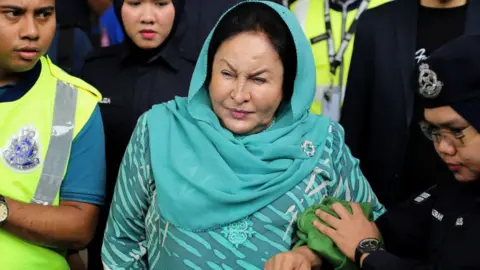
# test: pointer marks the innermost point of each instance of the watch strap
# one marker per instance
(358, 256)
(359, 252)
(3, 202)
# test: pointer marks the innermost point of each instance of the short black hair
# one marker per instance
(258, 17)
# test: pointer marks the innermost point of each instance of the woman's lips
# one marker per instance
(148, 34)
(238, 114)
(454, 167)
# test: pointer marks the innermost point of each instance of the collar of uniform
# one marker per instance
(169, 54)
(338, 6)
(14, 92)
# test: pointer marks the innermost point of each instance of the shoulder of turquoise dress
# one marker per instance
(126, 248)
(337, 135)
(342, 170)
(333, 144)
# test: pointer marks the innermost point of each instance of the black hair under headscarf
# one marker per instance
(141, 54)
(451, 77)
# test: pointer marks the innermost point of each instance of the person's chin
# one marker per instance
(145, 44)
(464, 177)
(237, 127)
(24, 66)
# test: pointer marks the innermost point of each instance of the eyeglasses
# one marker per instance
(455, 137)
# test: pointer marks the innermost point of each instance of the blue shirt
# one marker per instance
(110, 22)
(85, 178)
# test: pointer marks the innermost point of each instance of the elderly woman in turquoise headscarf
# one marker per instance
(217, 179)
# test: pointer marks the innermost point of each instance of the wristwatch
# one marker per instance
(366, 246)
(3, 210)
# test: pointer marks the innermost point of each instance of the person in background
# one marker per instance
(381, 114)
(74, 39)
(52, 156)
(112, 28)
(144, 70)
(78, 13)
(69, 49)
(217, 179)
(439, 228)
(330, 26)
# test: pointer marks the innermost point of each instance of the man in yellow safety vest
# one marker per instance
(52, 157)
(330, 26)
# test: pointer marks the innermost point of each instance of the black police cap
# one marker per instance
(451, 77)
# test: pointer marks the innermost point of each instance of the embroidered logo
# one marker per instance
(421, 56)
(430, 85)
(238, 232)
(105, 100)
(459, 222)
(422, 197)
(437, 215)
(21, 152)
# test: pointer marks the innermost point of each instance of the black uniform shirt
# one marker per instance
(439, 229)
(129, 89)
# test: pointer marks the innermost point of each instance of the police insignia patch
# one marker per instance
(21, 153)
(430, 85)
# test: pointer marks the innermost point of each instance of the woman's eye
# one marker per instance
(259, 80)
(161, 4)
(226, 74)
(133, 3)
(457, 132)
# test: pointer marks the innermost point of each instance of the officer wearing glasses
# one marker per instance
(439, 228)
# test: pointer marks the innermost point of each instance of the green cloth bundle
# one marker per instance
(320, 243)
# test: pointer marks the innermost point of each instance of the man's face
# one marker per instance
(27, 28)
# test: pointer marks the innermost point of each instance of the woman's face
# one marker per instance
(457, 142)
(148, 22)
(246, 83)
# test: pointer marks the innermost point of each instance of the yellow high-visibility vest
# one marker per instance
(310, 14)
(36, 133)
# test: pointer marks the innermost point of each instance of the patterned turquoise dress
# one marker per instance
(138, 238)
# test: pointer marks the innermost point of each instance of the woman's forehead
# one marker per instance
(444, 116)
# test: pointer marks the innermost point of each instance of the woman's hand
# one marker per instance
(349, 229)
(301, 258)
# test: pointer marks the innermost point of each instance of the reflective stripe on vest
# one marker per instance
(60, 144)
(310, 14)
(301, 11)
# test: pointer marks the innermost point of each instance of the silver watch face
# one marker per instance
(369, 244)
(3, 212)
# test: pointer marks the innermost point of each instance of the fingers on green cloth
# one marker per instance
(320, 243)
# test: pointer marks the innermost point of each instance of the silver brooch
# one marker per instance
(22, 151)
(308, 148)
(430, 85)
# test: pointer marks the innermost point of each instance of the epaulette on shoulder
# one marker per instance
(425, 196)
(71, 80)
(105, 52)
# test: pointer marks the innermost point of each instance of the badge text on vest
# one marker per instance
(21, 152)
(437, 215)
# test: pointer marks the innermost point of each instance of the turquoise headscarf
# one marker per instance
(205, 176)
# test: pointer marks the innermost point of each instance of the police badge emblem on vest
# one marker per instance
(21, 152)
(430, 85)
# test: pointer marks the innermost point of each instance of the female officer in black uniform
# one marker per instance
(144, 70)
(439, 229)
